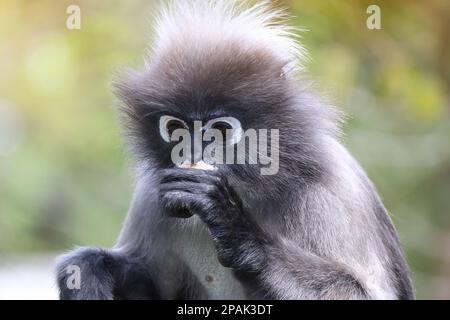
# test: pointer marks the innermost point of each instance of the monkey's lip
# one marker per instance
(201, 165)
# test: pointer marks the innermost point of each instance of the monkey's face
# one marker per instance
(223, 136)
(199, 140)
(202, 144)
(176, 109)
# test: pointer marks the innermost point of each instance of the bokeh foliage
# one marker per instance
(65, 179)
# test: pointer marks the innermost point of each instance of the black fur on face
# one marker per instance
(234, 81)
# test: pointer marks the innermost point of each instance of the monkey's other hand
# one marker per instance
(239, 241)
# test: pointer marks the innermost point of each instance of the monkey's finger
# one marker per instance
(188, 187)
(176, 200)
(198, 176)
(193, 175)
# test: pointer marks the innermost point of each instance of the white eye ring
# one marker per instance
(163, 129)
(236, 128)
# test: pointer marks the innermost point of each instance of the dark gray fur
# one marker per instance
(315, 230)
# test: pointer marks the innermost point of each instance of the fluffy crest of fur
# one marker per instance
(200, 22)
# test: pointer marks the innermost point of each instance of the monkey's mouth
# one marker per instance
(201, 165)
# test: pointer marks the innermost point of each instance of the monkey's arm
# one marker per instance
(293, 273)
(268, 268)
(104, 275)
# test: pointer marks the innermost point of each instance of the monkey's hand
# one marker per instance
(240, 243)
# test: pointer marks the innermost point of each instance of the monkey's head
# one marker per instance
(231, 71)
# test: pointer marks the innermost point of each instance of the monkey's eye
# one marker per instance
(222, 126)
(173, 125)
(168, 124)
(229, 127)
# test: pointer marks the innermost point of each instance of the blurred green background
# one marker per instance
(65, 179)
